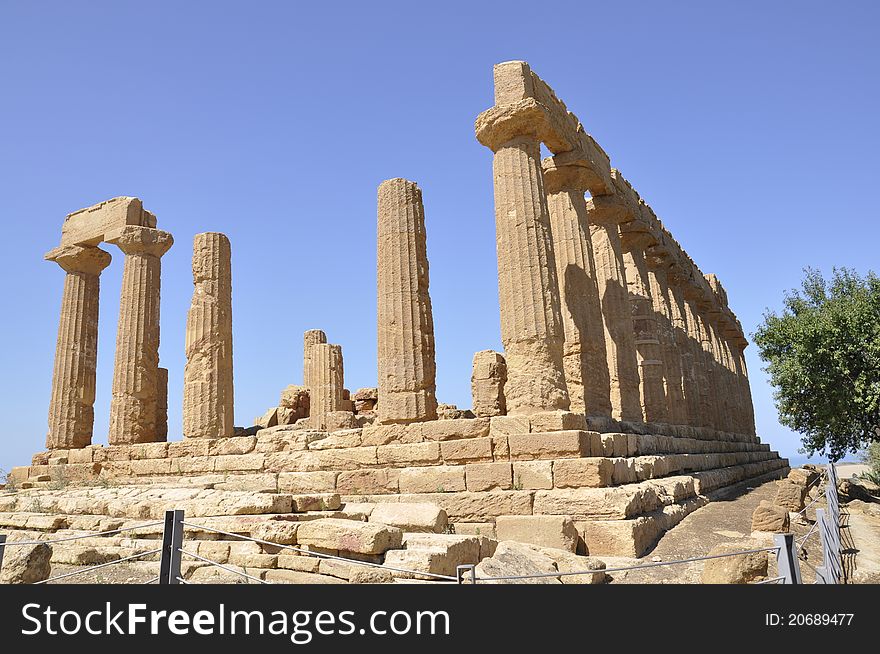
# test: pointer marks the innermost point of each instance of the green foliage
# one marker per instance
(871, 456)
(823, 357)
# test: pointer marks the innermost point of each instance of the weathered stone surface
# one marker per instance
(769, 517)
(594, 472)
(803, 476)
(407, 368)
(71, 408)
(207, 378)
(295, 399)
(532, 475)
(349, 535)
(790, 495)
(268, 419)
(567, 562)
(365, 575)
(512, 559)
(25, 564)
(740, 569)
(584, 353)
(88, 227)
(365, 400)
(310, 338)
(489, 476)
(282, 532)
(543, 530)
(432, 479)
(549, 445)
(326, 386)
(135, 375)
(423, 517)
(487, 383)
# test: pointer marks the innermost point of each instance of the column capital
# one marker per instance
(636, 241)
(140, 240)
(608, 210)
(524, 119)
(568, 172)
(79, 259)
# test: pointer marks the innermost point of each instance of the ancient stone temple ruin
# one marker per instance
(620, 404)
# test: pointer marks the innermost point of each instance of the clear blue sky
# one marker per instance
(750, 127)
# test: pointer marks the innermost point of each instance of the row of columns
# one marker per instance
(594, 316)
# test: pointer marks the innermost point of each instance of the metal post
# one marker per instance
(460, 572)
(2, 548)
(172, 542)
(786, 559)
(830, 571)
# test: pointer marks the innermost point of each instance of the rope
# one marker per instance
(152, 581)
(322, 555)
(100, 565)
(223, 567)
(809, 533)
(183, 581)
(88, 535)
(772, 580)
(633, 567)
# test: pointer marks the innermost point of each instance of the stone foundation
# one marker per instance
(621, 489)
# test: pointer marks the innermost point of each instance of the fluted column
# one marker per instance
(310, 338)
(327, 374)
(406, 364)
(708, 395)
(604, 215)
(133, 407)
(585, 358)
(684, 345)
(668, 322)
(644, 319)
(748, 418)
(207, 378)
(71, 407)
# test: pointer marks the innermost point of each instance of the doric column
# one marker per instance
(487, 384)
(585, 358)
(327, 374)
(71, 407)
(668, 323)
(133, 406)
(207, 378)
(310, 338)
(531, 323)
(684, 344)
(738, 346)
(644, 319)
(406, 364)
(162, 405)
(709, 394)
(605, 213)
(701, 416)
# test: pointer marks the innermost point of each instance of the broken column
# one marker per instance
(487, 384)
(326, 392)
(531, 323)
(71, 407)
(310, 338)
(585, 359)
(162, 405)
(133, 407)
(605, 213)
(207, 378)
(406, 365)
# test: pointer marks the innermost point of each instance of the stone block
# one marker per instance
(466, 450)
(433, 479)
(533, 475)
(771, 518)
(549, 445)
(368, 482)
(742, 569)
(547, 421)
(307, 482)
(349, 535)
(506, 425)
(410, 454)
(488, 476)
(409, 517)
(542, 530)
(592, 472)
(790, 495)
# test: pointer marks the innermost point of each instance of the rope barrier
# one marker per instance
(80, 537)
(184, 581)
(223, 567)
(321, 554)
(100, 565)
(772, 580)
(627, 568)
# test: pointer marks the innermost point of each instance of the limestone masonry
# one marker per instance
(620, 403)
